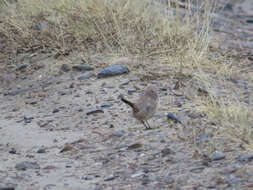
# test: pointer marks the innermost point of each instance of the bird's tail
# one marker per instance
(132, 105)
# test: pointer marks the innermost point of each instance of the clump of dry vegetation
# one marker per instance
(157, 30)
(136, 28)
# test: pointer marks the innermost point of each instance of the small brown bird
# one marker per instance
(145, 107)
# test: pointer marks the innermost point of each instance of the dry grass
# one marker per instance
(172, 35)
(124, 27)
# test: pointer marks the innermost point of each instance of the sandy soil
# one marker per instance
(109, 150)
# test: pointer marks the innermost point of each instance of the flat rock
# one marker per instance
(217, 156)
(22, 66)
(113, 70)
(247, 157)
(85, 76)
(7, 188)
(27, 165)
(83, 67)
(94, 111)
(65, 67)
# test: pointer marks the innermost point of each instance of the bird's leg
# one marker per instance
(148, 124)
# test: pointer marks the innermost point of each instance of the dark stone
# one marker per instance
(250, 21)
(197, 169)
(83, 67)
(217, 156)
(41, 150)
(173, 117)
(106, 105)
(110, 178)
(27, 165)
(94, 111)
(85, 76)
(228, 7)
(167, 151)
(22, 66)
(28, 119)
(244, 158)
(113, 70)
(202, 91)
(65, 67)
(13, 151)
(55, 110)
(7, 188)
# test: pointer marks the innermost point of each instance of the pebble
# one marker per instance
(27, 165)
(65, 67)
(94, 111)
(106, 105)
(247, 157)
(82, 67)
(7, 188)
(203, 137)
(85, 76)
(110, 178)
(217, 156)
(79, 109)
(173, 117)
(118, 133)
(197, 169)
(22, 66)
(55, 110)
(235, 180)
(28, 119)
(137, 175)
(113, 70)
(41, 150)
(167, 151)
(13, 151)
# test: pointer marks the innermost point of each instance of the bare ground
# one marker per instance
(110, 150)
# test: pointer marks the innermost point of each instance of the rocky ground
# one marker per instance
(70, 131)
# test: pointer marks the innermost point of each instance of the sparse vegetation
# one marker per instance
(142, 29)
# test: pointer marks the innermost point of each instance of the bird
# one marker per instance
(145, 107)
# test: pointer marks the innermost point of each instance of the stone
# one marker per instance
(137, 175)
(65, 67)
(7, 188)
(83, 67)
(41, 150)
(217, 156)
(27, 165)
(113, 70)
(247, 157)
(22, 66)
(28, 119)
(94, 111)
(173, 117)
(110, 178)
(55, 110)
(167, 151)
(85, 76)
(106, 105)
